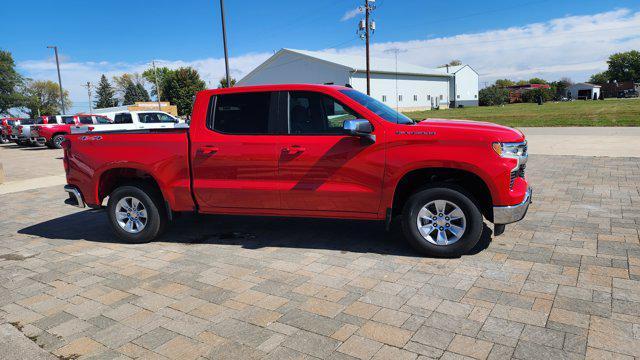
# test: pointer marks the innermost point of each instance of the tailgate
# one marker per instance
(162, 155)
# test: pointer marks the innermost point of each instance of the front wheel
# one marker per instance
(135, 213)
(57, 141)
(442, 222)
(4, 139)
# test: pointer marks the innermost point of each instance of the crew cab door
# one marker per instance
(320, 168)
(234, 155)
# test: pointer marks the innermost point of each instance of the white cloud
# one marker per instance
(574, 46)
(350, 14)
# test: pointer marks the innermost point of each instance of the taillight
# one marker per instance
(20, 129)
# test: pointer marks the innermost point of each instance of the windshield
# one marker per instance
(149, 118)
(377, 107)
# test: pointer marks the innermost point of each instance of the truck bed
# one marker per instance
(93, 161)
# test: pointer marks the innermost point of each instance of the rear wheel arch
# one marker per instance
(420, 179)
(113, 178)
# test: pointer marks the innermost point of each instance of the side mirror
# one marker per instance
(359, 127)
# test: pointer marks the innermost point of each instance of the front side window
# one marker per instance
(314, 113)
(85, 120)
(377, 107)
(68, 120)
(245, 113)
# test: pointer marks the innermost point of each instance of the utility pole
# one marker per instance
(88, 86)
(55, 50)
(367, 27)
(155, 73)
(224, 40)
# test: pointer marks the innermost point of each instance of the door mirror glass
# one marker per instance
(358, 127)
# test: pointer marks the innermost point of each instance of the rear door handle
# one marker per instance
(208, 150)
(293, 149)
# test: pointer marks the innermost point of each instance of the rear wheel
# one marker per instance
(442, 222)
(135, 213)
(57, 140)
(4, 139)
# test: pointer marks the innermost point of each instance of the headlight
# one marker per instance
(511, 150)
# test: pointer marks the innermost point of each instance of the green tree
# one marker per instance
(454, 62)
(150, 76)
(504, 83)
(624, 66)
(223, 82)
(559, 88)
(600, 78)
(180, 88)
(522, 82)
(105, 94)
(493, 95)
(531, 96)
(42, 97)
(134, 92)
(536, 80)
(10, 83)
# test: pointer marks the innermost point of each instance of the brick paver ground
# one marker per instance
(564, 283)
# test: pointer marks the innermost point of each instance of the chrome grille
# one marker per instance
(517, 173)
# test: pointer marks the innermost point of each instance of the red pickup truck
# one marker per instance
(52, 134)
(306, 151)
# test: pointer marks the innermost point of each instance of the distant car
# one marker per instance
(135, 120)
(52, 134)
(5, 128)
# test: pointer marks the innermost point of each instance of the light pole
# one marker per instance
(224, 40)
(55, 50)
(364, 29)
(155, 73)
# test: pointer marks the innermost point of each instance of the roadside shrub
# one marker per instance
(531, 96)
(493, 95)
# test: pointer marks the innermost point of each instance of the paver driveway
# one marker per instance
(564, 283)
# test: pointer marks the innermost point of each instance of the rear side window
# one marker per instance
(246, 113)
(124, 118)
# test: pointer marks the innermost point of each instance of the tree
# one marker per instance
(536, 80)
(532, 96)
(134, 92)
(42, 97)
(10, 83)
(105, 94)
(181, 86)
(522, 82)
(150, 76)
(600, 78)
(493, 95)
(624, 66)
(559, 88)
(504, 83)
(223, 82)
(129, 88)
(454, 62)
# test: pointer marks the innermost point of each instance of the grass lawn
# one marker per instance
(614, 112)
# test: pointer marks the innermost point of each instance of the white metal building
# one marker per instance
(584, 90)
(410, 87)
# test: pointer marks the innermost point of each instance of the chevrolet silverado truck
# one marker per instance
(5, 129)
(52, 134)
(306, 151)
(21, 133)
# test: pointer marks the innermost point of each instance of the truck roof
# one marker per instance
(277, 87)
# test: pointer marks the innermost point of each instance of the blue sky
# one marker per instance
(115, 36)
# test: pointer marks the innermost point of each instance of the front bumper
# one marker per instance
(510, 214)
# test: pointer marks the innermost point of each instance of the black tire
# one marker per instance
(56, 141)
(463, 201)
(152, 201)
(4, 139)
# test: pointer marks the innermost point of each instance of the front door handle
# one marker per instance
(293, 149)
(208, 150)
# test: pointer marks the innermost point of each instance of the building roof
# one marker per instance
(358, 64)
(586, 84)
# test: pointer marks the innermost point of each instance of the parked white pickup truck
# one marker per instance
(132, 120)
